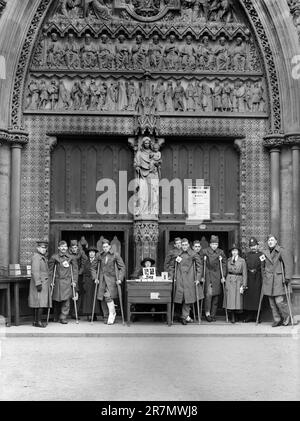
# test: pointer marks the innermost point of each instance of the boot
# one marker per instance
(38, 322)
(232, 316)
(34, 317)
(112, 313)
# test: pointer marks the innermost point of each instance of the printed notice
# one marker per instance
(198, 203)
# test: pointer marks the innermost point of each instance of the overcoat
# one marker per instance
(80, 258)
(213, 271)
(65, 265)
(110, 262)
(272, 271)
(254, 280)
(236, 277)
(188, 271)
(172, 254)
(39, 276)
(88, 283)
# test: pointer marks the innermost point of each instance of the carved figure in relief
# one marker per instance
(190, 97)
(102, 9)
(239, 56)
(155, 51)
(64, 96)
(85, 95)
(112, 97)
(102, 94)
(155, 156)
(227, 97)
(206, 97)
(33, 95)
(70, 8)
(88, 53)
(204, 55)
(171, 54)
(220, 11)
(76, 95)
(44, 95)
(122, 53)
(169, 94)
(122, 96)
(178, 97)
(53, 91)
(239, 97)
(222, 55)
(198, 96)
(188, 55)
(159, 93)
(132, 93)
(138, 53)
(54, 52)
(217, 92)
(72, 53)
(258, 98)
(248, 96)
(105, 54)
(201, 7)
(93, 95)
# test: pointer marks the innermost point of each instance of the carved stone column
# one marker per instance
(5, 196)
(146, 238)
(274, 143)
(17, 140)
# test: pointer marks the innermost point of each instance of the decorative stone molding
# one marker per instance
(294, 6)
(2, 6)
(275, 141)
(18, 137)
(293, 139)
(4, 136)
(146, 231)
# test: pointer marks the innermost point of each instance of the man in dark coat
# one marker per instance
(90, 274)
(254, 276)
(197, 246)
(80, 258)
(214, 256)
(172, 254)
(66, 277)
(39, 289)
(274, 259)
(112, 272)
(188, 277)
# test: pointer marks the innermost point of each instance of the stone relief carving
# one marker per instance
(294, 6)
(147, 99)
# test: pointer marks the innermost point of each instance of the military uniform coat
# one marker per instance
(80, 258)
(173, 253)
(63, 281)
(236, 277)
(188, 271)
(213, 271)
(108, 263)
(254, 280)
(88, 283)
(272, 271)
(39, 276)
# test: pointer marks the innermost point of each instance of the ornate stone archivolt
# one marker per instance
(13, 137)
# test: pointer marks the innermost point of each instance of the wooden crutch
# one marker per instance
(120, 295)
(259, 306)
(203, 285)
(287, 294)
(224, 292)
(173, 292)
(95, 293)
(51, 293)
(197, 295)
(74, 295)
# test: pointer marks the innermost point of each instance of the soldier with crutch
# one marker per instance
(65, 269)
(108, 281)
(277, 274)
(188, 276)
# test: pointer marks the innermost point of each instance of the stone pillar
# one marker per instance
(17, 140)
(146, 235)
(296, 210)
(5, 197)
(275, 191)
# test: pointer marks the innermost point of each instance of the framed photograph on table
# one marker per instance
(149, 273)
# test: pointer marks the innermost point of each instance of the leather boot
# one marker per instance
(39, 312)
(232, 316)
(34, 317)
(112, 313)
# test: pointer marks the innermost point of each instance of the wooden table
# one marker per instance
(148, 292)
(19, 281)
(5, 285)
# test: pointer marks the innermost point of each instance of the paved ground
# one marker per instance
(150, 368)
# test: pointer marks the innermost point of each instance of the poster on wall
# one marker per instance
(198, 204)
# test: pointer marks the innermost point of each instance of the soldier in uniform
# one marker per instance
(39, 289)
(66, 277)
(213, 277)
(172, 254)
(112, 272)
(80, 258)
(89, 271)
(254, 274)
(189, 275)
(274, 258)
(197, 246)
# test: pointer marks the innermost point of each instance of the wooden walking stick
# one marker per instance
(224, 292)
(287, 294)
(120, 295)
(203, 285)
(197, 295)
(259, 306)
(51, 293)
(173, 292)
(95, 293)
(74, 295)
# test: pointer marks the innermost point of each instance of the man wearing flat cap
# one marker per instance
(172, 254)
(66, 277)
(214, 257)
(254, 276)
(39, 289)
(277, 271)
(80, 258)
